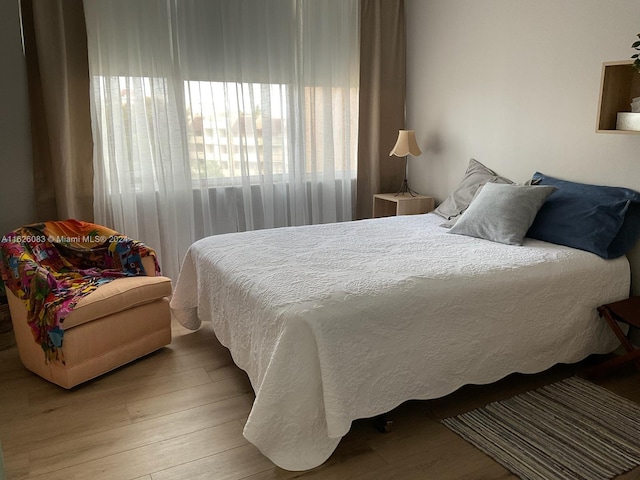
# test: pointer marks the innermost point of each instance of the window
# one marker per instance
(215, 116)
(236, 129)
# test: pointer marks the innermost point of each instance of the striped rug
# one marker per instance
(571, 430)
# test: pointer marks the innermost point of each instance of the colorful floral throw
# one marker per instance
(52, 265)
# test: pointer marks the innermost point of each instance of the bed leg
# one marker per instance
(382, 423)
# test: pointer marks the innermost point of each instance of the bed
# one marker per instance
(344, 321)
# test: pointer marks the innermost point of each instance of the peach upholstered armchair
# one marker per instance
(112, 306)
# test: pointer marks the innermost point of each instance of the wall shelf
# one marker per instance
(620, 84)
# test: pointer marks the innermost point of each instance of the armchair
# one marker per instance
(106, 316)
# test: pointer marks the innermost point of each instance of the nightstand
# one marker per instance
(388, 204)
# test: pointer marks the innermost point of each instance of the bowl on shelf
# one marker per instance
(628, 121)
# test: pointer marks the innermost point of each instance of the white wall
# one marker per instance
(17, 206)
(515, 84)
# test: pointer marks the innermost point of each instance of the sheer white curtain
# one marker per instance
(216, 116)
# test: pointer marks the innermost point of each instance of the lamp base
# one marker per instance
(404, 189)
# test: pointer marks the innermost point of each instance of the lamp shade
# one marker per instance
(406, 144)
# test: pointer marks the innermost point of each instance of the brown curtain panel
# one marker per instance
(58, 73)
(382, 100)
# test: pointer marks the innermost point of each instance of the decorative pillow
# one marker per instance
(502, 213)
(475, 176)
(601, 220)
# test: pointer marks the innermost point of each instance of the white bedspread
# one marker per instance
(344, 321)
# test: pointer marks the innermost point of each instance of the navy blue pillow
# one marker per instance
(601, 220)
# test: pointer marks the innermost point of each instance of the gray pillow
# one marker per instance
(502, 213)
(452, 221)
(475, 176)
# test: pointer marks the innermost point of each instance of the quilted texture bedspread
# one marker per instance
(344, 321)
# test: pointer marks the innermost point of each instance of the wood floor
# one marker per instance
(179, 413)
